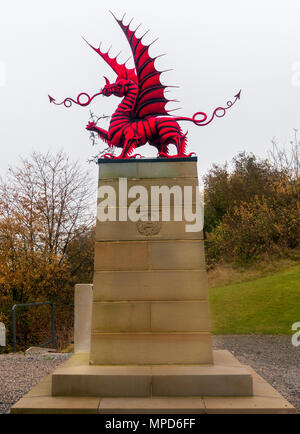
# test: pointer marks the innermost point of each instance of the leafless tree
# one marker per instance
(286, 159)
(50, 198)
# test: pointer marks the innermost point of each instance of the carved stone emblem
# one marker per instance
(148, 228)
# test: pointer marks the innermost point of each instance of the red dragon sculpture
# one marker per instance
(141, 117)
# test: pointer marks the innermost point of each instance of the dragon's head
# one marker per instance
(119, 88)
(125, 76)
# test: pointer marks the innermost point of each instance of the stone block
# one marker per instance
(102, 381)
(140, 170)
(137, 316)
(149, 255)
(180, 316)
(247, 405)
(201, 380)
(150, 348)
(121, 317)
(151, 406)
(150, 285)
(121, 256)
(56, 405)
(143, 231)
(176, 255)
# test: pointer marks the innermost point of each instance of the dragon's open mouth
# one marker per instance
(109, 90)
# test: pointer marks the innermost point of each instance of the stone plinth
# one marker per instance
(150, 303)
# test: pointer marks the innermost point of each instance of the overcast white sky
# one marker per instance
(216, 47)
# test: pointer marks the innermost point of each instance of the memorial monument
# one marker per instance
(148, 346)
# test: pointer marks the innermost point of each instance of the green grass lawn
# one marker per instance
(268, 305)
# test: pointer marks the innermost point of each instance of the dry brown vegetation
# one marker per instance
(227, 273)
(46, 244)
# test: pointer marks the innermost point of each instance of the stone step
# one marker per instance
(137, 381)
(221, 379)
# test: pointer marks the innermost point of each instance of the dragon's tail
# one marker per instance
(219, 112)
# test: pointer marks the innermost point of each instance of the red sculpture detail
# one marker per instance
(141, 117)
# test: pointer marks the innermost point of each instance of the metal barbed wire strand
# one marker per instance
(94, 138)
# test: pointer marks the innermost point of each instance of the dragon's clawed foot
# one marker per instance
(91, 126)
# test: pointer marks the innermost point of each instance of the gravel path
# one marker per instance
(19, 373)
(273, 357)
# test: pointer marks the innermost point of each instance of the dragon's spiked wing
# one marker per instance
(120, 69)
(150, 100)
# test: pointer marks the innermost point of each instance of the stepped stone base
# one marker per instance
(265, 398)
(225, 378)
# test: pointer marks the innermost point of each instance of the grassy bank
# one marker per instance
(266, 305)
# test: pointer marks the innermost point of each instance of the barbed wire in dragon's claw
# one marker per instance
(94, 138)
